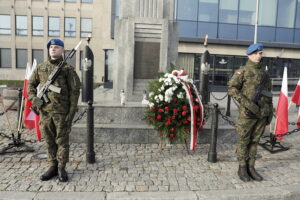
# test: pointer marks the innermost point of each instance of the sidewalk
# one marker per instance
(143, 171)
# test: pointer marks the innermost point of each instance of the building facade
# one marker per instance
(27, 25)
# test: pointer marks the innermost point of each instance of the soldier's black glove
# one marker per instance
(269, 118)
(37, 102)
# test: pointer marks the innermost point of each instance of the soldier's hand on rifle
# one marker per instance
(37, 102)
(254, 109)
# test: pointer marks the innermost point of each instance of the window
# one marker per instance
(247, 12)
(228, 11)
(21, 25)
(298, 16)
(37, 26)
(187, 10)
(5, 58)
(208, 10)
(85, 27)
(71, 61)
(70, 27)
(267, 18)
(53, 26)
(286, 13)
(5, 24)
(53, 0)
(86, 1)
(70, 0)
(21, 58)
(38, 54)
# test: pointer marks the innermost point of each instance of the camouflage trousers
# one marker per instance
(249, 132)
(56, 134)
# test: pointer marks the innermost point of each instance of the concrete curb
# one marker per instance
(289, 192)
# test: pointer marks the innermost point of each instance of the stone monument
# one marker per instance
(146, 42)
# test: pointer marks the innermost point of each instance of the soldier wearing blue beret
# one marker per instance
(253, 117)
(56, 115)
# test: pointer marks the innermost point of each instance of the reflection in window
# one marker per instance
(227, 31)
(85, 27)
(187, 9)
(187, 29)
(53, 26)
(21, 25)
(37, 26)
(228, 11)
(297, 25)
(245, 32)
(286, 13)
(266, 34)
(38, 54)
(21, 58)
(247, 12)
(5, 24)
(86, 1)
(5, 58)
(71, 61)
(70, 27)
(208, 10)
(284, 34)
(267, 18)
(207, 28)
(70, 0)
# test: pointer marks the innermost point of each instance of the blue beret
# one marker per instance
(254, 47)
(55, 42)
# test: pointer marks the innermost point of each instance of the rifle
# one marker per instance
(258, 91)
(41, 94)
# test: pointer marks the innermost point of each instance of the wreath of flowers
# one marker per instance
(174, 106)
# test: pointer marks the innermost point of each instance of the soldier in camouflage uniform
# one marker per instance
(252, 117)
(57, 115)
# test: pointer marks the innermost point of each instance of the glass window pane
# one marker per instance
(266, 34)
(245, 32)
(228, 11)
(117, 8)
(86, 1)
(21, 58)
(5, 24)
(37, 26)
(298, 15)
(53, 26)
(21, 25)
(70, 27)
(187, 29)
(70, 0)
(284, 35)
(5, 58)
(207, 28)
(208, 10)
(286, 13)
(228, 31)
(85, 27)
(54, 0)
(38, 54)
(247, 12)
(267, 12)
(187, 9)
(297, 36)
(71, 61)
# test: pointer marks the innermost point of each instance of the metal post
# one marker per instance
(256, 22)
(228, 106)
(212, 154)
(90, 154)
(19, 104)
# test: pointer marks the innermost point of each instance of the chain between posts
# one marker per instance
(79, 117)
(218, 99)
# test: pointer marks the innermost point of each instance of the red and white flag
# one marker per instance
(296, 100)
(31, 120)
(281, 125)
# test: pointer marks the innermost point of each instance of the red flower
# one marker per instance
(172, 129)
(160, 110)
(187, 130)
(183, 113)
(172, 135)
(173, 117)
(158, 117)
(189, 118)
(166, 108)
(196, 107)
(184, 107)
(169, 122)
(151, 119)
(175, 73)
(185, 122)
(175, 111)
(151, 108)
(161, 134)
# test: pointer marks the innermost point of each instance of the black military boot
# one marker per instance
(62, 174)
(50, 173)
(242, 173)
(253, 174)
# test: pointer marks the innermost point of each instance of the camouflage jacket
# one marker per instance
(67, 80)
(242, 87)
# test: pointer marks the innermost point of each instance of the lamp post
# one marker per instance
(256, 22)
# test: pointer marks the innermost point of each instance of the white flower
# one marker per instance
(161, 79)
(161, 97)
(174, 87)
(162, 88)
(151, 94)
(180, 95)
(151, 104)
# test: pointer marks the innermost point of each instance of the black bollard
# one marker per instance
(19, 105)
(90, 154)
(212, 154)
(228, 106)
